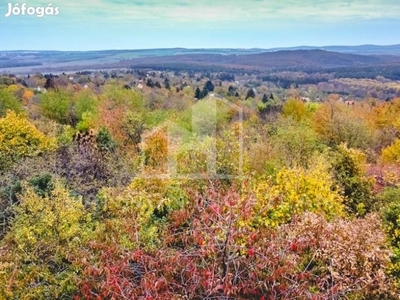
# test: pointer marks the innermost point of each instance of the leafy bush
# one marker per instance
(209, 250)
(349, 174)
(391, 154)
(57, 105)
(39, 250)
(8, 102)
(295, 191)
(391, 219)
(19, 138)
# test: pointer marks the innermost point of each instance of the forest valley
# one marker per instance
(144, 184)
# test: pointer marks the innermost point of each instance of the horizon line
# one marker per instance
(202, 48)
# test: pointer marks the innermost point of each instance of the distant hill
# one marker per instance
(361, 49)
(300, 59)
(303, 57)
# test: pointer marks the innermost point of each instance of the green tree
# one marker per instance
(203, 93)
(167, 84)
(265, 99)
(391, 220)
(133, 127)
(39, 251)
(250, 94)
(85, 101)
(197, 93)
(57, 105)
(209, 86)
(349, 174)
(8, 102)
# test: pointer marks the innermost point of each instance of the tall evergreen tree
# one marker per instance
(167, 84)
(197, 93)
(231, 90)
(250, 94)
(203, 93)
(265, 99)
(209, 86)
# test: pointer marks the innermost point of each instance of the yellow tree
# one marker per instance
(338, 123)
(295, 191)
(45, 239)
(391, 154)
(19, 138)
(296, 109)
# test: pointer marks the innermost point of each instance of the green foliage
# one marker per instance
(57, 105)
(133, 127)
(8, 102)
(42, 184)
(250, 94)
(6, 81)
(208, 116)
(87, 122)
(391, 220)
(105, 141)
(197, 93)
(229, 155)
(265, 99)
(66, 136)
(193, 157)
(209, 86)
(123, 97)
(295, 144)
(39, 250)
(349, 174)
(155, 117)
(134, 217)
(10, 192)
(86, 102)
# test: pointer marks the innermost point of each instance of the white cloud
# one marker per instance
(207, 11)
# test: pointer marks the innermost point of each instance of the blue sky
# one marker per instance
(141, 24)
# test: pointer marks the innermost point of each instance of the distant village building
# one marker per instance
(305, 99)
(41, 89)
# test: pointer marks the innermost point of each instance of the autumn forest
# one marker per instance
(177, 184)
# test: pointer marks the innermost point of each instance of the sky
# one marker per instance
(143, 24)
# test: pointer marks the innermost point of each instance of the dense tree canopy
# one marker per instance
(116, 186)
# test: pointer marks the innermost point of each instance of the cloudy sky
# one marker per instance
(141, 24)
